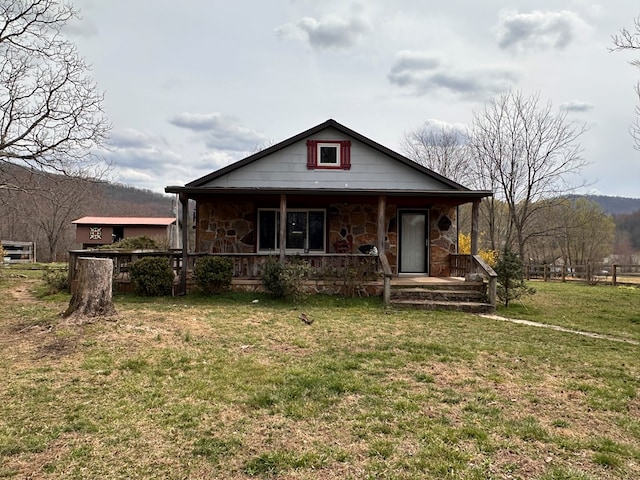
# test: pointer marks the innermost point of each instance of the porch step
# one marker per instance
(457, 296)
(445, 295)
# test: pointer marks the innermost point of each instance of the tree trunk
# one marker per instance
(93, 295)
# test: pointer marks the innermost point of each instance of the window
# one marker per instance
(329, 154)
(304, 231)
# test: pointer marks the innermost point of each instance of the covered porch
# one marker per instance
(345, 274)
(364, 234)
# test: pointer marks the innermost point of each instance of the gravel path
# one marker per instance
(561, 329)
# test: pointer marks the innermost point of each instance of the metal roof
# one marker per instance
(147, 221)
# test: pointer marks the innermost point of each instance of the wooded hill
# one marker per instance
(42, 208)
(616, 205)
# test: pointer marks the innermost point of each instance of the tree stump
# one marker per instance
(93, 296)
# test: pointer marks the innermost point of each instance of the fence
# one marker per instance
(614, 274)
(19, 252)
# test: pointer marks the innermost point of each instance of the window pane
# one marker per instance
(268, 230)
(296, 229)
(329, 155)
(316, 231)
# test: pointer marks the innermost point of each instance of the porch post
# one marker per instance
(382, 208)
(283, 226)
(475, 213)
(184, 203)
(382, 230)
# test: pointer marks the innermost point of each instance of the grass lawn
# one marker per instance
(222, 387)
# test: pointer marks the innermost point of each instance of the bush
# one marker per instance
(213, 274)
(135, 243)
(152, 276)
(464, 247)
(511, 284)
(285, 280)
(56, 279)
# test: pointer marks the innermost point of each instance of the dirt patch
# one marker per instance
(23, 291)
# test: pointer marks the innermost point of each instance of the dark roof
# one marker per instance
(197, 185)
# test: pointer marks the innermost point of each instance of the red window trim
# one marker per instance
(345, 155)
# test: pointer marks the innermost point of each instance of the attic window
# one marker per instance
(328, 154)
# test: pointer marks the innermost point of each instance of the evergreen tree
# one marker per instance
(511, 284)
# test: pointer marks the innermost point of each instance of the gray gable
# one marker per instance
(284, 167)
(287, 169)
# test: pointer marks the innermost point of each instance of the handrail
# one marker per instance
(490, 273)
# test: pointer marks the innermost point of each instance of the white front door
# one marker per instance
(413, 242)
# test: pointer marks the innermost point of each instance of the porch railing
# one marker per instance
(462, 265)
(246, 266)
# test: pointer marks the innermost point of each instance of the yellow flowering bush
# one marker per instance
(464, 247)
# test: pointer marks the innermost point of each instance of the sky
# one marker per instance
(192, 86)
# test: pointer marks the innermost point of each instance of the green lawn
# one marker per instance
(598, 309)
(222, 387)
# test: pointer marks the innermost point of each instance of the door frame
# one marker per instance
(427, 249)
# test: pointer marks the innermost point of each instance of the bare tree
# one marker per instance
(529, 153)
(51, 114)
(443, 149)
(630, 40)
(60, 199)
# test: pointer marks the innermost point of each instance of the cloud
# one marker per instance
(330, 32)
(140, 158)
(435, 126)
(538, 30)
(576, 106)
(407, 61)
(130, 138)
(219, 132)
(424, 73)
(212, 161)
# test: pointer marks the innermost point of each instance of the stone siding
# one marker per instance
(443, 239)
(226, 227)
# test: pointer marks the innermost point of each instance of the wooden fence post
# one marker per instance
(614, 275)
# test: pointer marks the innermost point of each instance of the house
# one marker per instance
(94, 232)
(341, 195)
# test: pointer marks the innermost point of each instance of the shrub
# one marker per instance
(464, 247)
(135, 243)
(152, 276)
(213, 274)
(511, 284)
(56, 279)
(285, 280)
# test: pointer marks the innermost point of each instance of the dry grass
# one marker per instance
(225, 388)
